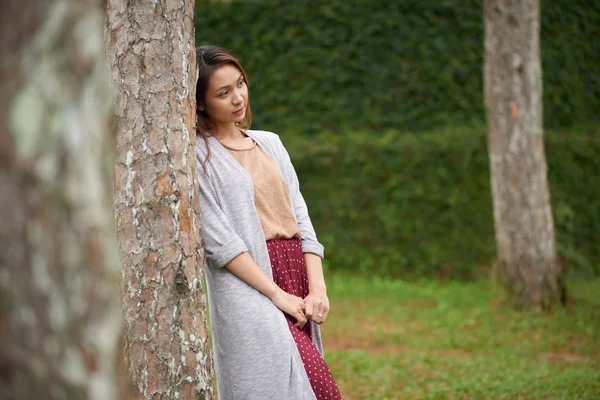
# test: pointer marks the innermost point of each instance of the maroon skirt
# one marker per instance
(289, 273)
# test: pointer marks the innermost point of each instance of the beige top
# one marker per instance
(271, 196)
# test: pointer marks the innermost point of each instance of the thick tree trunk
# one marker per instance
(60, 316)
(513, 96)
(150, 46)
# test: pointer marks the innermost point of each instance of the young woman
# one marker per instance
(266, 289)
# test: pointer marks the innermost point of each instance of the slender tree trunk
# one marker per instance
(150, 47)
(513, 96)
(60, 316)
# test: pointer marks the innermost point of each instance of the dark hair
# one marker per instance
(209, 59)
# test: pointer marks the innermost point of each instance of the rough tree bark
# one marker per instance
(60, 317)
(151, 54)
(513, 96)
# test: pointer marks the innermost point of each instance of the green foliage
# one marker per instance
(574, 175)
(391, 339)
(405, 65)
(410, 205)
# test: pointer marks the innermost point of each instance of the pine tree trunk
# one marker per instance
(513, 96)
(60, 317)
(150, 47)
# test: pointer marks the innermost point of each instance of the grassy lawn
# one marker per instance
(389, 339)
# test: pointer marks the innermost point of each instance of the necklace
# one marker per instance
(238, 149)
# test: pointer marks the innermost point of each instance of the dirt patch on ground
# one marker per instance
(346, 345)
(420, 304)
(455, 353)
(389, 349)
(341, 345)
(567, 358)
(372, 325)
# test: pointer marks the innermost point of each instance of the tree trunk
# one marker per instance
(60, 317)
(151, 55)
(513, 96)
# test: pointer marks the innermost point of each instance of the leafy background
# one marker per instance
(380, 104)
(405, 65)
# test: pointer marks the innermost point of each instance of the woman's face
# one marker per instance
(226, 97)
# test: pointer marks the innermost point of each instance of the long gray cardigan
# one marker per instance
(255, 355)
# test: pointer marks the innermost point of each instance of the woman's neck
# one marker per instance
(228, 133)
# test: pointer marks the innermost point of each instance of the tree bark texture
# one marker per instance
(151, 55)
(60, 317)
(513, 96)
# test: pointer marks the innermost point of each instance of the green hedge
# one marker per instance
(414, 205)
(405, 65)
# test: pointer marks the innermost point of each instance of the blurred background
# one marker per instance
(380, 104)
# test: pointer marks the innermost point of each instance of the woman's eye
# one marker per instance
(240, 83)
(224, 94)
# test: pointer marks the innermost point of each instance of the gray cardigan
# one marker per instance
(255, 355)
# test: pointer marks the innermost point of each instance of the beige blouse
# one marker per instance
(271, 196)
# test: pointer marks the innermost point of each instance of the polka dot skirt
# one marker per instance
(289, 273)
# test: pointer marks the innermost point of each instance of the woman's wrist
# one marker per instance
(245, 268)
(314, 269)
(319, 287)
(273, 291)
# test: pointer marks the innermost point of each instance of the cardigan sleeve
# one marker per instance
(310, 244)
(220, 241)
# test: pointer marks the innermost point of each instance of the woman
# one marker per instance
(265, 281)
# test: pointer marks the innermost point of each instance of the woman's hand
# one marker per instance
(317, 303)
(244, 267)
(291, 305)
(317, 306)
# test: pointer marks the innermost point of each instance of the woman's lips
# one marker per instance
(240, 111)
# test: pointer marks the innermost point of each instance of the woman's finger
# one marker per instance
(318, 315)
(324, 311)
(300, 320)
(309, 309)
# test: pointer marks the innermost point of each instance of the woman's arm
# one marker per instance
(225, 249)
(245, 268)
(220, 241)
(317, 302)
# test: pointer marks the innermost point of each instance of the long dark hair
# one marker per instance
(209, 59)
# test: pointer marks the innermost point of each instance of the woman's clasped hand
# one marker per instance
(314, 307)
(317, 306)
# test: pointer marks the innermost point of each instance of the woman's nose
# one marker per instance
(238, 98)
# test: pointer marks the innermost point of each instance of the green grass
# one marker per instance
(390, 339)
